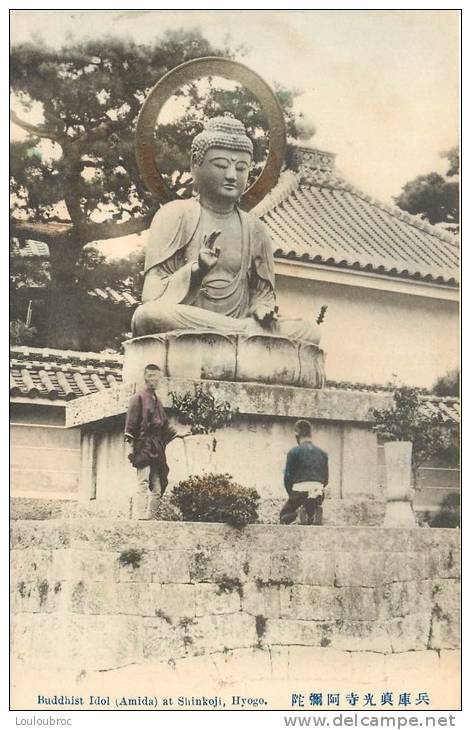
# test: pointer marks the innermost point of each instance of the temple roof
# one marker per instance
(115, 296)
(34, 248)
(317, 217)
(62, 375)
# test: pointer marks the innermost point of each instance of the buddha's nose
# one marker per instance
(231, 174)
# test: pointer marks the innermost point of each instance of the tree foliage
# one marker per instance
(448, 384)
(434, 197)
(74, 179)
(201, 411)
(410, 420)
(102, 324)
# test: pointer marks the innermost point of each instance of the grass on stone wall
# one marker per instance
(131, 558)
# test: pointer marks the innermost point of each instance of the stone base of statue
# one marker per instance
(253, 447)
(209, 355)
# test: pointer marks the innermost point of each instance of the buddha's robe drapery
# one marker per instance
(225, 298)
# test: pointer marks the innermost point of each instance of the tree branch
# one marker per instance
(108, 126)
(111, 229)
(51, 117)
(46, 232)
(54, 233)
(38, 131)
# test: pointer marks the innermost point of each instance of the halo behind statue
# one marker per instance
(189, 71)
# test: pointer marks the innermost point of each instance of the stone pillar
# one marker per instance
(399, 512)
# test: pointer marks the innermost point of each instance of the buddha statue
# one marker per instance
(209, 265)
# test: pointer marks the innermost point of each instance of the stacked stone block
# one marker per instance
(115, 593)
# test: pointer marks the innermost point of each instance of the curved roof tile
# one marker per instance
(338, 225)
(61, 374)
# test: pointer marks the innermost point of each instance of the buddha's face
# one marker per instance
(223, 174)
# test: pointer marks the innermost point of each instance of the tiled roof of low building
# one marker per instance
(447, 406)
(61, 375)
(316, 217)
(34, 248)
(108, 294)
(37, 372)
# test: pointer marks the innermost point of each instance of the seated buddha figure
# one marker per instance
(209, 265)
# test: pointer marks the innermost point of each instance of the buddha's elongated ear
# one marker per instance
(194, 167)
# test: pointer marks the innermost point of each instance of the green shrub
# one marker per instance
(201, 411)
(447, 515)
(411, 420)
(216, 498)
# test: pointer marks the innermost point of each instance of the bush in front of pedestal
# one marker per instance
(216, 498)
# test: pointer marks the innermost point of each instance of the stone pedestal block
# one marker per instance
(201, 355)
(312, 366)
(142, 351)
(204, 355)
(264, 359)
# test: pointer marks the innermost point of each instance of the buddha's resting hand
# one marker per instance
(264, 314)
(209, 253)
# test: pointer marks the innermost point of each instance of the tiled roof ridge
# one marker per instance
(287, 183)
(60, 375)
(48, 352)
(290, 180)
(121, 294)
(397, 212)
(339, 182)
(316, 216)
(388, 388)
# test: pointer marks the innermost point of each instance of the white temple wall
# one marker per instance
(45, 455)
(371, 336)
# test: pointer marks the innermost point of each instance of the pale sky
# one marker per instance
(381, 86)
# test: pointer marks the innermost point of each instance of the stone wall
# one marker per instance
(95, 596)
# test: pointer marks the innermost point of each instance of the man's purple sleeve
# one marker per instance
(133, 417)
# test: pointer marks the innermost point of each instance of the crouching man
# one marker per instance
(306, 476)
(147, 433)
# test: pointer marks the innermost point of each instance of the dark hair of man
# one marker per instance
(151, 367)
(303, 429)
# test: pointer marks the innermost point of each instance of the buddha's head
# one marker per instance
(221, 156)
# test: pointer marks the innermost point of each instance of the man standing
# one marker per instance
(306, 475)
(147, 433)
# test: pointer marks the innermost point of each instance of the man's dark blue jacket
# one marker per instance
(306, 463)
